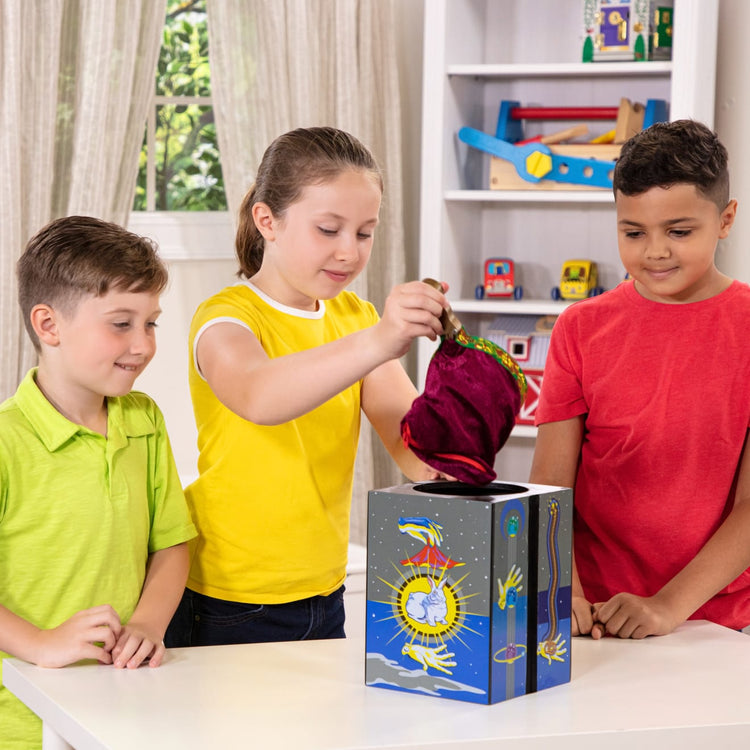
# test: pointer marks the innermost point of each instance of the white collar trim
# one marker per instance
(310, 314)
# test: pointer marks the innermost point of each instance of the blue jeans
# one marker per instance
(204, 621)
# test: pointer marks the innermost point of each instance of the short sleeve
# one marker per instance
(562, 394)
(171, 523)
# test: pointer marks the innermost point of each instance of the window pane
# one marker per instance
(139, 202)
(183, 60)
(188, 170)
(179, 167)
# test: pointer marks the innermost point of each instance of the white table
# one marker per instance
(690, 689)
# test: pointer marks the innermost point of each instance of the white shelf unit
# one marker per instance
(480, 52)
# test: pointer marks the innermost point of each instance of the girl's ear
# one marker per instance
(44, 322)
(264, 221)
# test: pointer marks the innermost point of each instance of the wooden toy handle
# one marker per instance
(451, 324)
(561, 135)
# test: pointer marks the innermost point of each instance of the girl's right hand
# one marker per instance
(411, 310)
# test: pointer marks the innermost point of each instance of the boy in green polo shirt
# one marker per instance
(93, 522)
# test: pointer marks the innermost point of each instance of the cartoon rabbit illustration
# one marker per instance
(428, 607)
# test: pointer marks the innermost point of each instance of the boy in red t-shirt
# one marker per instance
(645, 408)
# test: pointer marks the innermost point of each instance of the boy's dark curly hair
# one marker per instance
(671, 153)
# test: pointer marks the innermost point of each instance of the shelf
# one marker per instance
(524, 431)
(530, 196)
(516, 307)
(478, 53)
(563, 70)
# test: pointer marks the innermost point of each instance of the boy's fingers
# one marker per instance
(602, 611)
(142, 653)
(158, 656)
(123, 652)
(103, 634)
(104, 615)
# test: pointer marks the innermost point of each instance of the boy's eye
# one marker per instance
(632, 235)
(681, 232)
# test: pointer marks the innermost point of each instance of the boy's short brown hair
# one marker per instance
(77, 256)
(672, 153)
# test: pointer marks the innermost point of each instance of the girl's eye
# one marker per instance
(122, 325)
(152, 324)
(327, 231)
(364, 235)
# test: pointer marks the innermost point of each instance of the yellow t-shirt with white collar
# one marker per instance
(272, 503)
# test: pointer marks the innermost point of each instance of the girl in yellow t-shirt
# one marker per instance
(282, 365)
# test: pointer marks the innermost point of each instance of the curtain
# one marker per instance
(282, 64)
(76, 80)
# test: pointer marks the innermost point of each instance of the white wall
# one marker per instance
(733, 127)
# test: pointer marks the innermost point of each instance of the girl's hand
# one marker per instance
(411, 310)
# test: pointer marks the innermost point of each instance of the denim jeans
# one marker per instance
(204, 621)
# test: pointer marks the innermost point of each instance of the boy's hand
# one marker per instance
(630, 616)
(135, 645)
(582, 619)
(78, 638)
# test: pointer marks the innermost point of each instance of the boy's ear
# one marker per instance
(727, 219)
(44, 322)
(264, 220)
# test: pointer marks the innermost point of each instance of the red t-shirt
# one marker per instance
(666, 394)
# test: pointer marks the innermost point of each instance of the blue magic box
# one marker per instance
(469, 589)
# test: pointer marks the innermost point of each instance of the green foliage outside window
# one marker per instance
(188, 173)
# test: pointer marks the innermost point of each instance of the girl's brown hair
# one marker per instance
(295, 160)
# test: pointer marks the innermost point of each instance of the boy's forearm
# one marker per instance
(724, 557)
(18, 637)
(164, 585)
(556, 452)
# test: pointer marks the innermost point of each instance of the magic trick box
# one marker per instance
(469, 589)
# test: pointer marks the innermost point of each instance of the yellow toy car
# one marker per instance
(578, 279)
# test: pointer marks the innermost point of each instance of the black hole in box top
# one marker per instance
(469, 490)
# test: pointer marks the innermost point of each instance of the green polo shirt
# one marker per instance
(80, 513)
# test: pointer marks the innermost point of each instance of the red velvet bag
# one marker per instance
(473, 392)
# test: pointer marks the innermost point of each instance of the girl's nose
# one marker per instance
(346, 248)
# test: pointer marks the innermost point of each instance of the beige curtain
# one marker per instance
(75, 83)
(282, 64)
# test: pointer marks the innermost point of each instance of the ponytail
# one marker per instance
(248, 243)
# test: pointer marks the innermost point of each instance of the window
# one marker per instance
(180, 168)
(180, 200)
